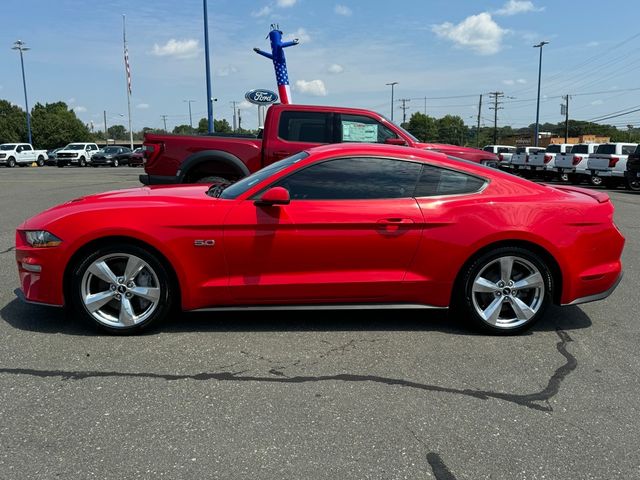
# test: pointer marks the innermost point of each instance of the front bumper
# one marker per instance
(40, 271)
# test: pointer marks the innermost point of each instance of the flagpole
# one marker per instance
(127, 77)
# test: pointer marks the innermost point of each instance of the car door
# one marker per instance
(348, 235)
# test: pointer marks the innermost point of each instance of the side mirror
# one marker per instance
(395, 141)
(274, 196)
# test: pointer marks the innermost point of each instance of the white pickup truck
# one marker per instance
(520, 159)
(608, 164)
(572, 166)
(544, 161)
(12, 154)
(76, 154)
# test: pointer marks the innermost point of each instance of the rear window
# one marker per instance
(308, 127)
(553, 149)
(506, 150)
(628, 149)
(521, 150)
(488, 149)
(607, 149)
(580, 149)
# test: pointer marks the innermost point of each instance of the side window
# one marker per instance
(360, 128)
(628, 149)
(27, 147)
(310, 127)
(439, 181)
(488, 149)
(354, 179)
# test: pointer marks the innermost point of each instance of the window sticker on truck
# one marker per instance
(359, 132)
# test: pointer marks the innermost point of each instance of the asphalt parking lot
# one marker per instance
(326, 395)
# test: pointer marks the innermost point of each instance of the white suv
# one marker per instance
(76, 154)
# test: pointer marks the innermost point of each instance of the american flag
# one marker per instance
(282, 78)
(126, 65)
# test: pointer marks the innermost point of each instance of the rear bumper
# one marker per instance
(157, 180)
(597, 296)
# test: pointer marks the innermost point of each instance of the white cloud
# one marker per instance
(301, 34)
(226, 71)
(311, 87)
(286, 3)
(509, 82)
(245, 105)
(593, 44)
(177, 48)
(514, 7)
(79, 109)
(71, 100)
(597, 102)
(335, 68)
(343, 10)
(263, 12)
(143, 106)
(521, 81)
(477, 32)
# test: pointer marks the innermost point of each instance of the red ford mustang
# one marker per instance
(341, 225)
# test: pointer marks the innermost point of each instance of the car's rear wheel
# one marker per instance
(564, 177)
(633, 184)
(40, 161)
(121, 288)
(506, 290)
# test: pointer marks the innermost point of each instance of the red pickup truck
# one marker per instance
(288, 129)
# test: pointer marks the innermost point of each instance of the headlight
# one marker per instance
(74, 155)
(41, 239)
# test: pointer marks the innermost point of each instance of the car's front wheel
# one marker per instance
(82, 162)
(115, 163)
(121, 288)
(11, 162)
(506, 290)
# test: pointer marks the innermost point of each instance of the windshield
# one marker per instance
(401, 129)
(238, 188)
(8, 146)
(75, 146)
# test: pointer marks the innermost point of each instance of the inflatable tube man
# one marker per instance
(279, 62)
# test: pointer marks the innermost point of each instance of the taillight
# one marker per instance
(576, 159)
(151, 151)
(547, 158)
(613, 161)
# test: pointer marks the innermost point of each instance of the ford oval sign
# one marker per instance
(261, 97)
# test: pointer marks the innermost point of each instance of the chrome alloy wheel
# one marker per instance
(120, 290)
(508, 292)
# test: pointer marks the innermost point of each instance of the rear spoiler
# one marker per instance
(601, 197)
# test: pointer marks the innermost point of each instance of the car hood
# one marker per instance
(131, 198)
(467, 153)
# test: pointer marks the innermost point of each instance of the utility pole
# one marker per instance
(234, 103)
(540, 45)
(239, 121)
(404, 108)
(392, 84)
(164, 119)
(106, 135)
(479, 115)
(21, 47)
(190, 117)
(565, 107)
(496, 102)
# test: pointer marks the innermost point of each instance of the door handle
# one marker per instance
(395, 221)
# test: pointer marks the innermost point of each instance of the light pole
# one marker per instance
(208, 68)
(21, 47)
(540, 45)
(392, 84)
(190, 117)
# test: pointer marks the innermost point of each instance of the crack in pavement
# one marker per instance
(7, 250)
(527, 400)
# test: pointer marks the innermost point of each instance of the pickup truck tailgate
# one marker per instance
(598, 161)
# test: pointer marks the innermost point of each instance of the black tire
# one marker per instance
(40, 161)
(115, 163)
(474, 298)
(564, 177)
(574, 178)
(152, 276)
(11, 162)
(213, 179)
(60, 164)
(595, 181)
(82, 162)
(634, 184)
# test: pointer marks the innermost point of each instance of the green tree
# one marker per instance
(55, 125)
(182, 130)
(422, 126)
(13, 123)
(451, 129)
(117, 132)
(220, 126)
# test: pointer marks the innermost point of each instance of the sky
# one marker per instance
(443, 53)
